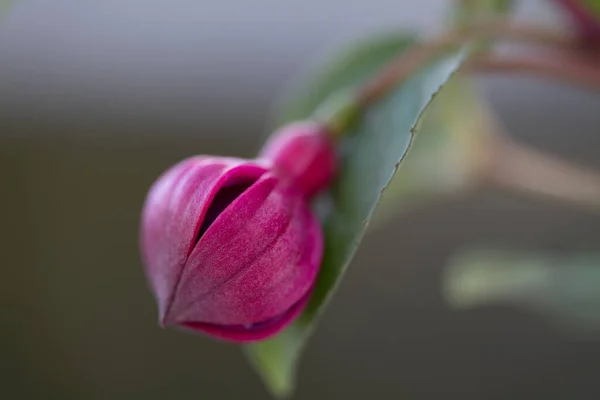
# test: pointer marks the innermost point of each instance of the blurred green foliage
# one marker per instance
(464, 12)
(562, 287)
(5, 6)
(594, 6)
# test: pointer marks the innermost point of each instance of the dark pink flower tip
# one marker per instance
(305, 153)
(229, 248)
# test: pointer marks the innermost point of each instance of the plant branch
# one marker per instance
(401, 67)
(565, 67)
(406, 63)
(507, 30)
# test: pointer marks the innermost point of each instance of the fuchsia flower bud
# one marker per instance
(305, 153)
(230, 246)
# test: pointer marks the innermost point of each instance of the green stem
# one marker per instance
(339, 113)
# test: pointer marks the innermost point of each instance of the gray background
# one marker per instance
(98, 97)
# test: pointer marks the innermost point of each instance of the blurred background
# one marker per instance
(98, 97)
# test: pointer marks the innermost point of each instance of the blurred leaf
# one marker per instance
(370, 157)
(465, 12)
(594, 6)
(565, 288)
(348, 70)
(446, 153)
(5, 6)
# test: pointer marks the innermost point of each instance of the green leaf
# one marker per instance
(564, 288)
(370, 156)
(446, 155)
(594, 6)
(5, 6)
(465, 12)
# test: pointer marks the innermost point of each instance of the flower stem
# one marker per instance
(401, 67)
(559, 66)
(406, 63)
(522, 33)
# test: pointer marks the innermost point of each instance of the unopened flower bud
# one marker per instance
(305, 153)
(230, 246)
